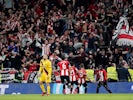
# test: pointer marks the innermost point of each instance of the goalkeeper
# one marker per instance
(44, 74)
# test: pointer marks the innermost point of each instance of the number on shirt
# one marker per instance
(63, 66)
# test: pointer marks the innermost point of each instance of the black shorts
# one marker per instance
(84, 84)
(74, 82)
(104, 83)
(64, 79)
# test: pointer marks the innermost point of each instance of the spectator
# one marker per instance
(122, 62)
(131, 73)
(1, 62)
(33, 66)
(103, 59)
(46, 48)
(116, 55)
(130, 60)
(112, 73)
(54, 58)
(19, 76)
(123, 73)
(68, 25)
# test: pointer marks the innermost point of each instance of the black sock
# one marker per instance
(97, 91)
(85, 89)
(78, 89)
(108, 90)
(64, 86)
(71, 90)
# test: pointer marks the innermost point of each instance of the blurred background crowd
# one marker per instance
(80, 30)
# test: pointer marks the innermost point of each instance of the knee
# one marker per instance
(47, 84)
(40, 82)
(78, 85)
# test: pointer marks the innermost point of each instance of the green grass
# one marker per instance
(68, 97)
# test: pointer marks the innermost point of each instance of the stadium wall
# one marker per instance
(56, 88)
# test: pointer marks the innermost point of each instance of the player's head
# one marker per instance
(64, 57)
(100, 67)
(96, 68)
(81, 65)
(45, 56)
(72, 63)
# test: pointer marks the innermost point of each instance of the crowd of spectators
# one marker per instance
(78, 29)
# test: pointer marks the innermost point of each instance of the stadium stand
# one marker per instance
(80, 30)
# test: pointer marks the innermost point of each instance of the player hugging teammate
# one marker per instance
(82, 78)
(63, 67)
(72, 77)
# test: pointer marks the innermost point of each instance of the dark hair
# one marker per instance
(100, 66)
(72, 63)
(81, 65)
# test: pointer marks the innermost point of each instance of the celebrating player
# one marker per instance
(45, 72)
(82, 78)
(101, 78)
(64, 73)
(73, 76)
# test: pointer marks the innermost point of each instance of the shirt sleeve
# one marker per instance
(50, 67)
(41, 67)
(105, 75)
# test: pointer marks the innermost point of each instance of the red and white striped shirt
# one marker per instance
(14, 25)
(117, 1)
(102, 75)
(46, 49)
(81, 76)
(73, 73)
(64, 67)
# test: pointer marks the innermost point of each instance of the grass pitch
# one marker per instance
(68, 97)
